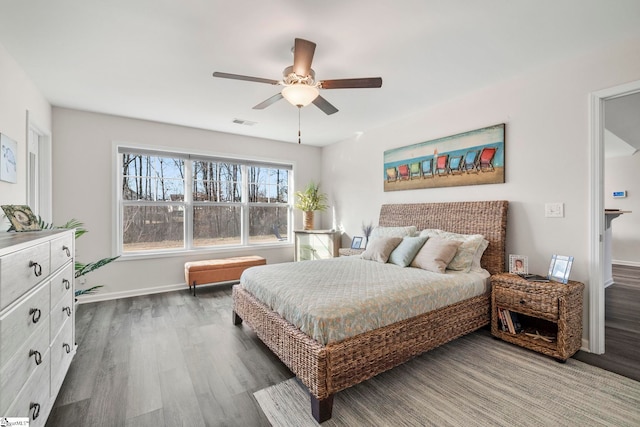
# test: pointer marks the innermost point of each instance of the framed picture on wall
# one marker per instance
(8, 159)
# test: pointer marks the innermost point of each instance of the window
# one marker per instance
(176, 201)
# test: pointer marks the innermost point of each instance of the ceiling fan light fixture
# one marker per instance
(300, 95)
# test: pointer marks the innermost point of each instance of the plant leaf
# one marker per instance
(82, 269)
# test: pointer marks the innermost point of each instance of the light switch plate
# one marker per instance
(554, 210)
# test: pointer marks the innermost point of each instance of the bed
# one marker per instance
(328, 368)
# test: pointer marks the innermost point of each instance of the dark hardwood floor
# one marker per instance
(174, 359)
(622, 325)
(165, 360)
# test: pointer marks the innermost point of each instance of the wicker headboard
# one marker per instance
(488, 218)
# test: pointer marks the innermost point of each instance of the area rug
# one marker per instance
(472, 381)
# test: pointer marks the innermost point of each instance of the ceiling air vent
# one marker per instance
(244, 122)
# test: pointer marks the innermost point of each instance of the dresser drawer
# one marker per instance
(21, 270)
(62, 284)
(61, 251)
(538, 304)
(62, 351)
(33, 401)
(62, 312)
(23, 364)
(17, 324)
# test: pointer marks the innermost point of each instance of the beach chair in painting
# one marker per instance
(442, 167)
(455, 165)
(414, 170)
(427, 168)
(392, 174)
(486, 159)
(471, 161)
(403, 172)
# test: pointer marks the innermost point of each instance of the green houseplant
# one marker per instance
(310, 200)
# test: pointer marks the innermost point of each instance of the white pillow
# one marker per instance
(470, 243)
(475, 265)
(394, 231)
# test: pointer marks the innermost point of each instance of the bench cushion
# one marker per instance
(219, 270)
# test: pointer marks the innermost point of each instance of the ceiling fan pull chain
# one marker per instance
(299, 108)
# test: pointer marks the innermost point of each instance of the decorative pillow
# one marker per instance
(404, 253)
(394, 231)
(475, 265)
(468, 248)
(379, 248)
(435, 254)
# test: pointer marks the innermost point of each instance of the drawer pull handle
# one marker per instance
(67, 284)
(35, 314)
(66, 347)
(67, 309)
(37, 268)
(37, 355)
(36, 410)
(66, 249)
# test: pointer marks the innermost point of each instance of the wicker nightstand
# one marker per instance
(349, 251)
(550, 309)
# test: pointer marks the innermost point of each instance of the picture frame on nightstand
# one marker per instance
(518, 264)
(560, 268)
(356, 242)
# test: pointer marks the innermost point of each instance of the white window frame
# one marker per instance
(189, 203)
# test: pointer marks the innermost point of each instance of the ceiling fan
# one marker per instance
(300, 86)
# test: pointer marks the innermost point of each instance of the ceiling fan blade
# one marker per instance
(303, 51)
(324, 105)
(246, 78)
(264, 104)
(367, 82)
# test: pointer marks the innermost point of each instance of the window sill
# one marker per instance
(184, 253)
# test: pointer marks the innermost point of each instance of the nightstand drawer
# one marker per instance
(541, 305)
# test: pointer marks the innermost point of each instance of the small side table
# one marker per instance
(550, 309)
(349, 251)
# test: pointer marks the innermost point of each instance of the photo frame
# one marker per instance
(8, 159)
(560, 268)
(356, 242)
(21, 217)
(518, 264)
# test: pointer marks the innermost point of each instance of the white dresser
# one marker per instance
(37, 320)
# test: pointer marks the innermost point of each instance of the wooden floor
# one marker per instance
(622, 325)
(165, 360)
(174, 359)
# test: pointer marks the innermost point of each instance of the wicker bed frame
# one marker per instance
(327, 369)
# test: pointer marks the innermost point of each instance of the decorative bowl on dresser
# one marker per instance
(549, 313)
(37, 320)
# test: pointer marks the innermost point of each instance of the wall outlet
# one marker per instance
(554, 210)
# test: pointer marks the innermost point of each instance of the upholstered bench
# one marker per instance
(218, 270)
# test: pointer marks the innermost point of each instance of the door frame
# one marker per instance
(45, 170)
(596, 183)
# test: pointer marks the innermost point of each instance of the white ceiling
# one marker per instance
(153, 59)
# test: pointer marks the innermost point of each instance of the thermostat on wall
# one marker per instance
(619, 194)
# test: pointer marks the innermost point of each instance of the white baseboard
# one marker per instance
(585, 345)
(107, 296)
(627, 263)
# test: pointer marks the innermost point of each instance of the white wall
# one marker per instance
(547, 155)
(621, 173)
(83, 186)
(17, 95)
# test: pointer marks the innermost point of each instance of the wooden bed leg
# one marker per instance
(321, 409)
(237, 320)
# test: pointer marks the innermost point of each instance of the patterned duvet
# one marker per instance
(338, 298)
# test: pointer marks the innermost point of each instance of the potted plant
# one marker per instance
(309, 201)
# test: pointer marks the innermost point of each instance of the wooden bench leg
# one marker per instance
(237, 320)
(321, 409)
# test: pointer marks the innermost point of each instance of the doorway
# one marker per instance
(39, 158)
(596, 264)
